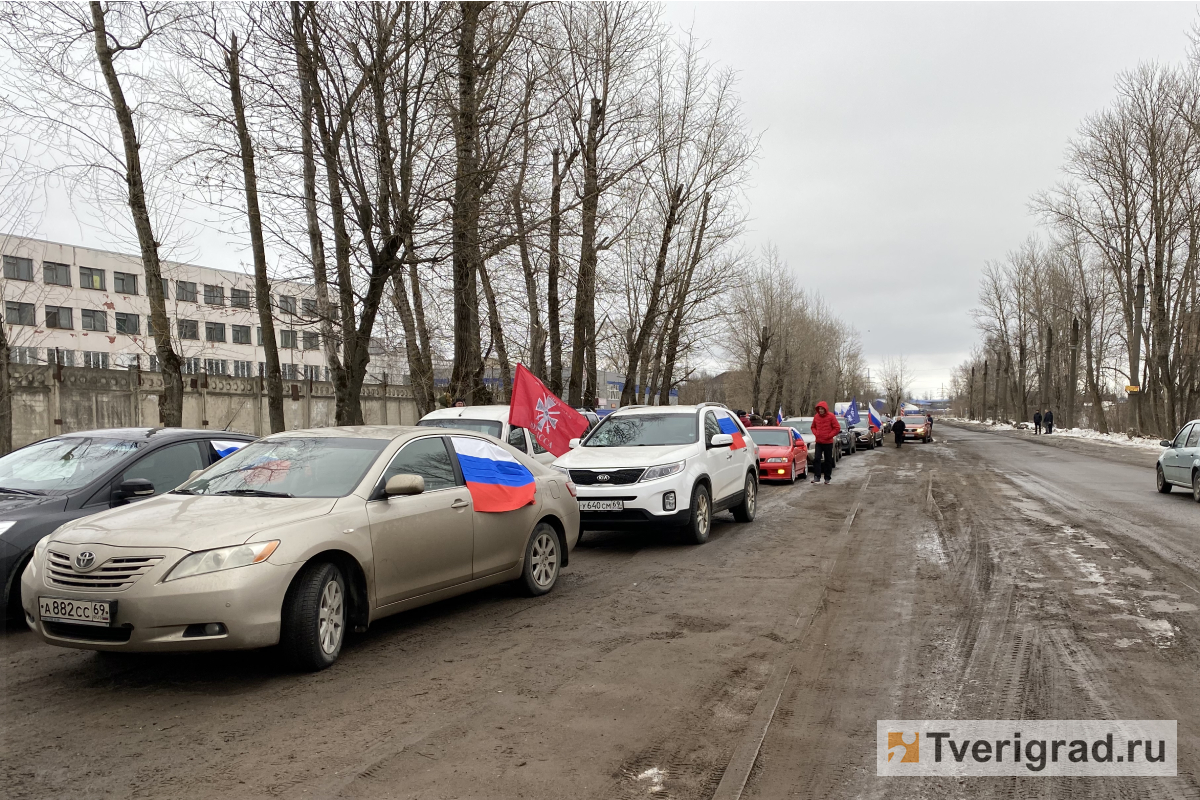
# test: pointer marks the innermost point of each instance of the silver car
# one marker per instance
(1179, 464)
(300, 535)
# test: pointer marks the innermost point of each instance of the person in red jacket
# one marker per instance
(825, 429)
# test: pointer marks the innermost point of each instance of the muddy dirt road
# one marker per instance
(978, 576)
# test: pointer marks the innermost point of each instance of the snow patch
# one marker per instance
(655, 776)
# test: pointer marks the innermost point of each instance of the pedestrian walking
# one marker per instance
(898, 429)
(1037, 422)
(825, 429)
(1048, 421)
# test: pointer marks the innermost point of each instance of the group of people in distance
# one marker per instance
(1040, 419)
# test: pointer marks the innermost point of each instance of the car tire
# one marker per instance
(1160, 480)
(543, 558)
(313, 626)
(1196, 486)
(744, 511)
(792, 479)
(699, 525)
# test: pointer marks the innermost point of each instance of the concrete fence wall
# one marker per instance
(49, 400)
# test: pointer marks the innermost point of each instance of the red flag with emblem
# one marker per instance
(547, 418)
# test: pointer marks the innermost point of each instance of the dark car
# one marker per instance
(863, 434)
(56, 480)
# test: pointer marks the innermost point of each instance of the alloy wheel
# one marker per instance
(751, 495)
(331, 619)
(545, 559)
(702, 514)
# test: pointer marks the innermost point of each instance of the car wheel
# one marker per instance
(1196, 486)
(314, 617)
(793, 478)
(700, 524)
(542, 558)
(1160, 480)
(744, 512)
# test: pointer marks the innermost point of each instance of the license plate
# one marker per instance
(81, 612)
(601, 505)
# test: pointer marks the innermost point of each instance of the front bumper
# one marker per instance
(152, 616)
(775, 472)
(643, 504)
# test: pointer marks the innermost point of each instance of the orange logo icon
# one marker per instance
(909, 752)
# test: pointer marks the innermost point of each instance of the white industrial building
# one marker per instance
(84, 307)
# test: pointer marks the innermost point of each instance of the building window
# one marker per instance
(90, 320)
(239, 298)
(262, 369)
(127, 323)
(241, 334)
(90, 278)
(310, 340)
(166, 287)
(19, 313)
(56, 274)
(312, 372)
(188, 329)
(216, 366)
(185, 291)
(125, 283)
(56, 356)
(94, 360)
(243, 369)
(59, 317)
(308, 307)
(214, 331)
(289, 372)
(287, 339)
(23, 355)
(287, 304)
(189, 366)
(154, 363)
(18, 269)
(214, 295)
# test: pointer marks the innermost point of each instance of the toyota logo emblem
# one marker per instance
(85, 560)
(602, 478)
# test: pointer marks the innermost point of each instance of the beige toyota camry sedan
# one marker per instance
(299, 536)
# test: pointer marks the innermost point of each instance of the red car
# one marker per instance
(782, 456)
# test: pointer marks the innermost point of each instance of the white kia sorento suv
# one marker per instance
(664, 467)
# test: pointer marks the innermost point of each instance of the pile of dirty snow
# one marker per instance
(1148, 443)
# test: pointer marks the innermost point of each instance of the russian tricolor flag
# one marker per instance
(729, 426)
(496, 480)
(873, 420)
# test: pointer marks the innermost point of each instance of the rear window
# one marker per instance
(489, 426)
(801, 425)
(771, 438)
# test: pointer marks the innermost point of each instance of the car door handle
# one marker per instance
(459, 503)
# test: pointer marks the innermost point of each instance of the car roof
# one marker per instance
(498, 413)
(632, 410)
(768, 428)
(352, 432)
(157, 434)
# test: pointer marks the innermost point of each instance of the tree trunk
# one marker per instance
(497, 333)
(553, 265)
(6, 392)
(672, 350)
(262, 289)
(171, 408)
(537, 334)
(583, 348)
(1073, 376)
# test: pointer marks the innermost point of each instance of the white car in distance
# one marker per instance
(664, 467)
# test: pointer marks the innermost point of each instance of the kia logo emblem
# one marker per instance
(602, 478)
(85, 560)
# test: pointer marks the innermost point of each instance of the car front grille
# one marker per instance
(114, 575)
(616, 477)
(87, 633)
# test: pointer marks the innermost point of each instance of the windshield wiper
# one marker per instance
(7, 490)
(254, 493)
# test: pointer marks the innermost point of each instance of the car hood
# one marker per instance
(773, 451)
(622, 457)
(192, 522)
(26, 503)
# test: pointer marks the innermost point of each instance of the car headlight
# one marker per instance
(662, 471)
(776, 460)
(206, 561)
(563, 470)
(6, 524)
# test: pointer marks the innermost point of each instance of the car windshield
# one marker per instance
(644, 430)
(316, 467)
(802, 425)
(489, 426)
(911, 419)
(771, 438)
(63, 464)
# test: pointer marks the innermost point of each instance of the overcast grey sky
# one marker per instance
(902, 144)
(904, 140)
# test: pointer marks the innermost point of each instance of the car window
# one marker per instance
(489, 426)
(63, 464)
(1181, 439)
(425, 457)
(771, 438)
(537, 448)
(801, 425)
(711, 428)
(516, 437)
(1194, 436)
(167, 467)
(316, 466)
(644, 430)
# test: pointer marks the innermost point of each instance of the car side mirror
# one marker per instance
(1165, 443)
(721, 440)
(133, 489)
(404, 485)
(573, 444)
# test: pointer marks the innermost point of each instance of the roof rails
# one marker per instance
(713, 403)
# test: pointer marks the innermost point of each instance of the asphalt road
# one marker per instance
(980, 576)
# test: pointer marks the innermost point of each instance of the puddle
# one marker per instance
(1138, 572)
(1159, 629)
(1170, 607)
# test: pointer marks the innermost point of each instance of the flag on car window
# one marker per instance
(729, 426)
(873, 418)
(536, 409)
(779, 416)
(852, 412)
(496, 480)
